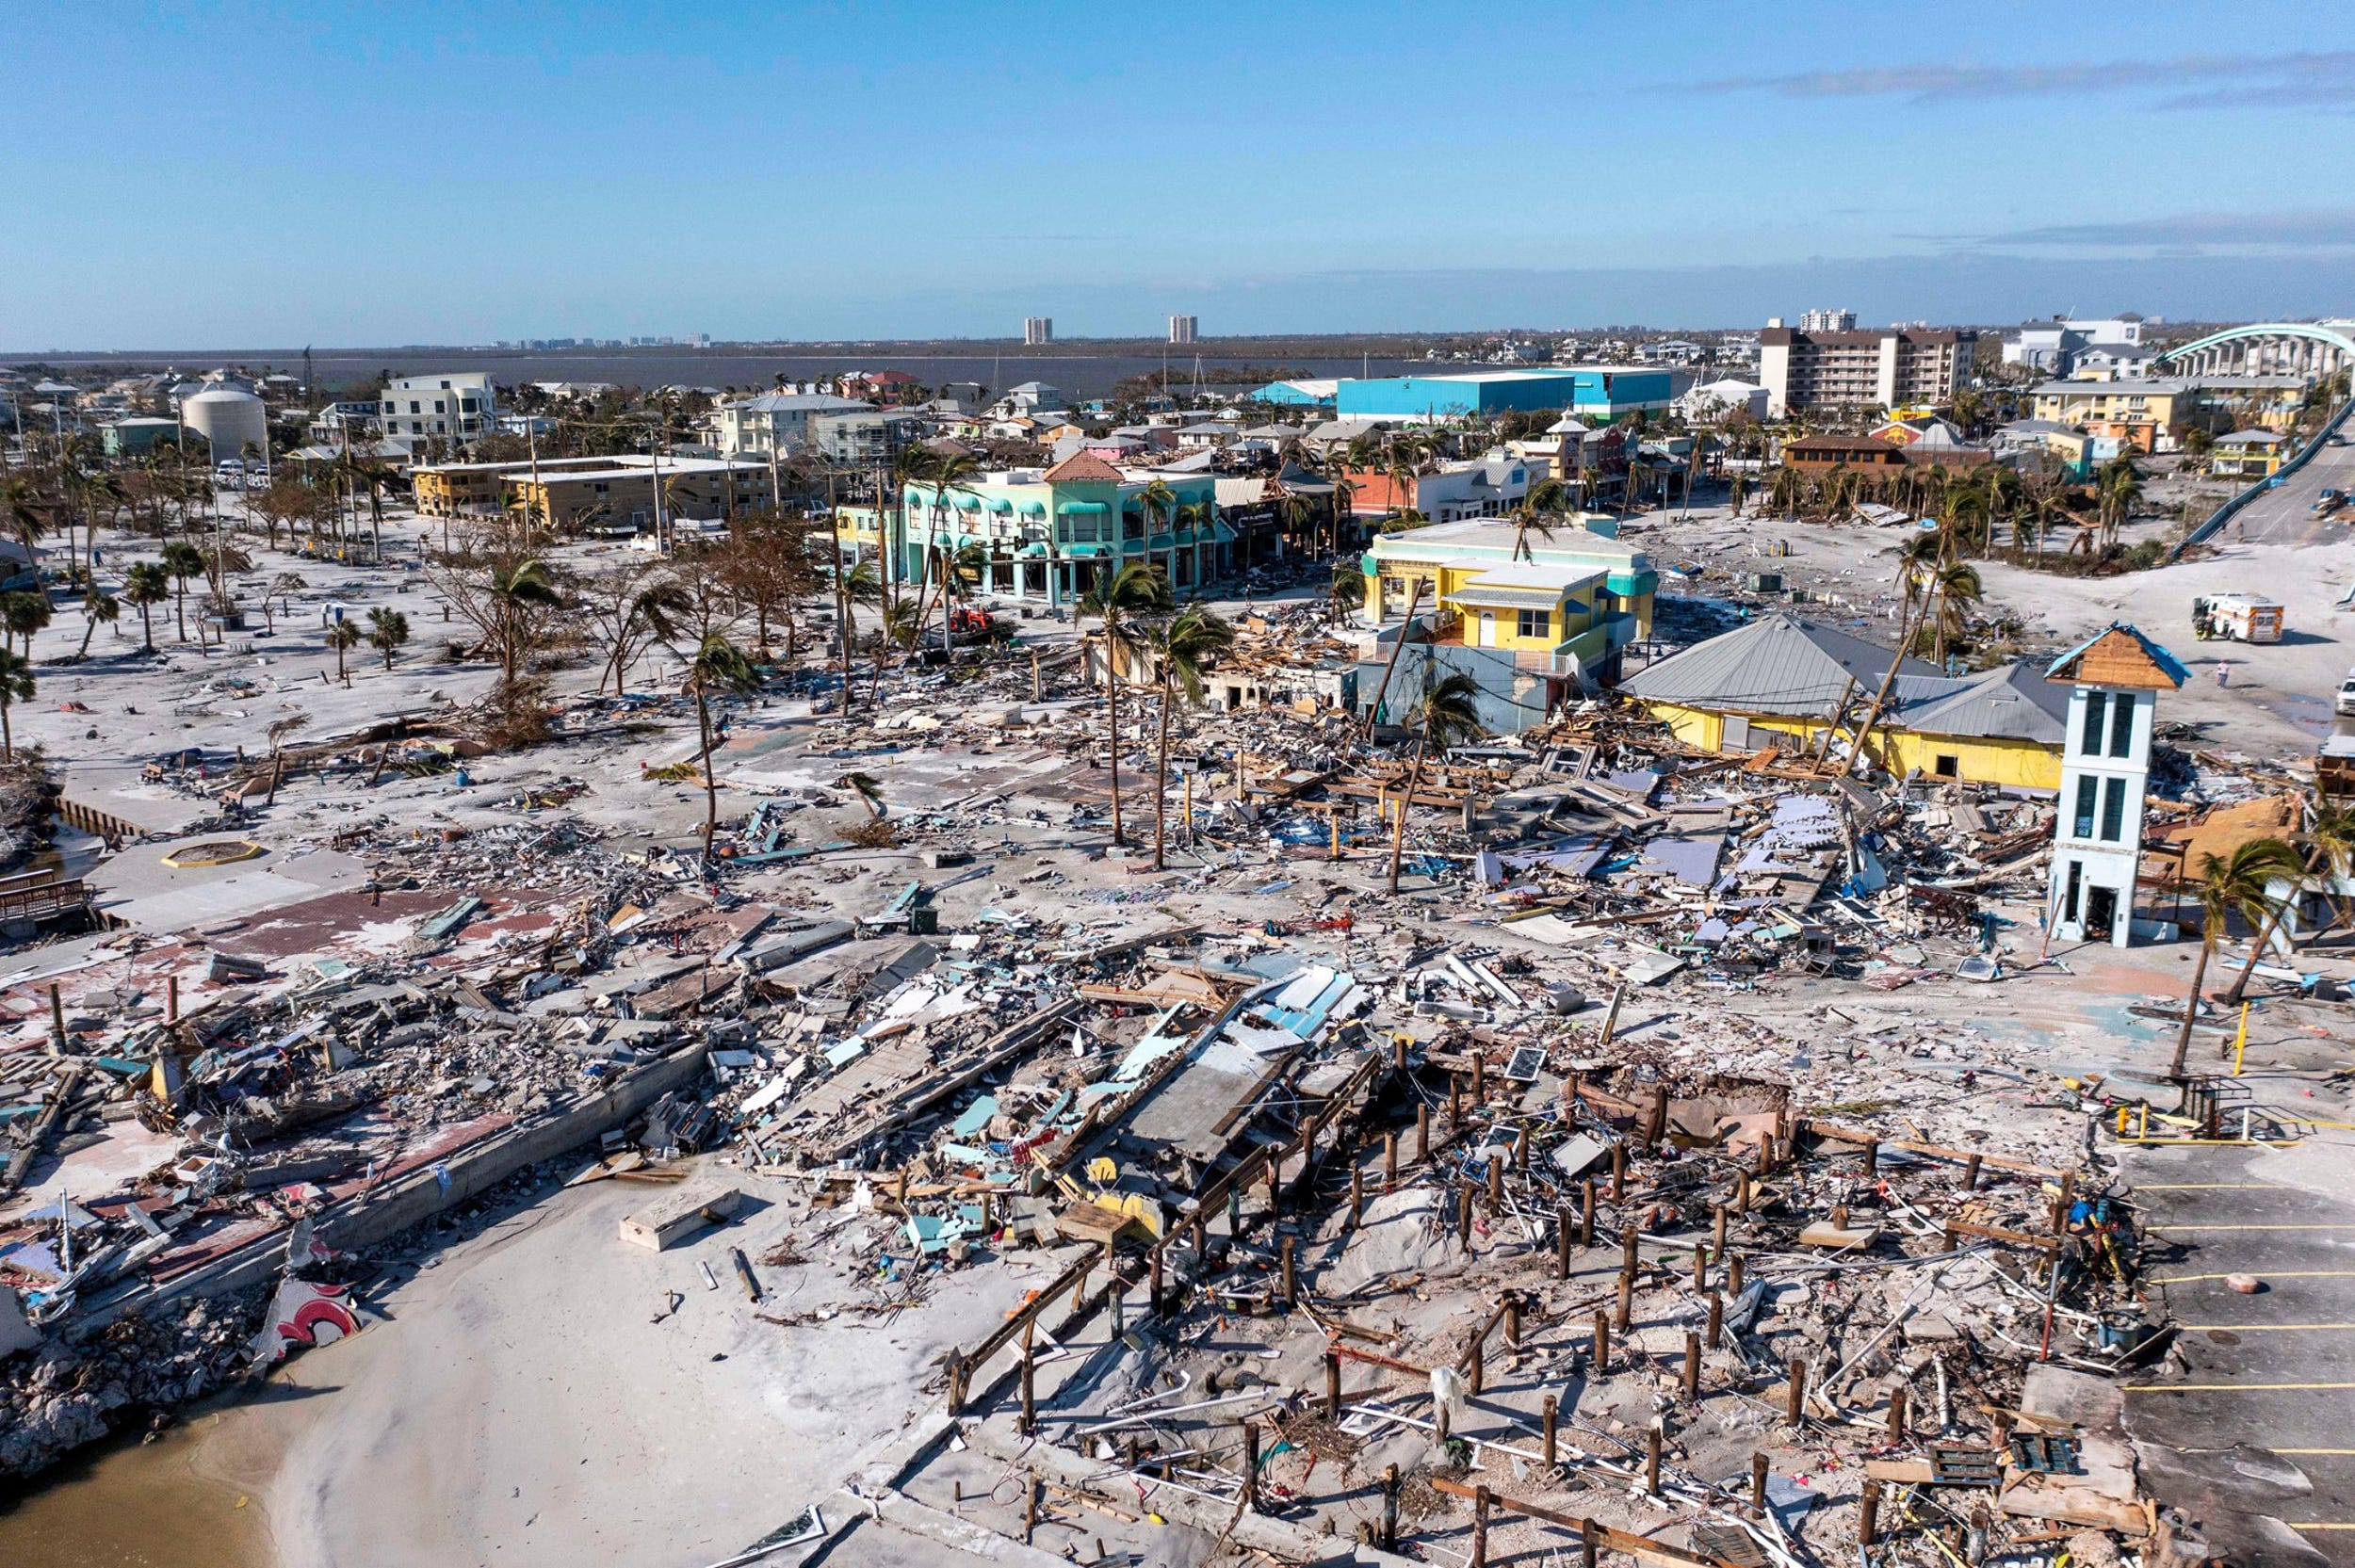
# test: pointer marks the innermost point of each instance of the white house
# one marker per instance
(1716, 400)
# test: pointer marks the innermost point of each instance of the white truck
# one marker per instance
(2236, 618)
(2344, 705)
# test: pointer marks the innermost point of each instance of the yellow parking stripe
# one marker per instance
(2226, 1388)
(2213, 1187)
(2263, 1274)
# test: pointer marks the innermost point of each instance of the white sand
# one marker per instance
(518, 1406)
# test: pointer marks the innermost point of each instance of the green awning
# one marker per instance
(1033, 509)
(1226, 534)
(966, 501)
(1032, 551)
(1088, 550)
(1081, 509)
(999, 504)
(1630, 584)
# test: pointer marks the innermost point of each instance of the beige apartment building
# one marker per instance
(1899, 368)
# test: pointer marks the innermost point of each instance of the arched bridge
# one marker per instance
(2264, 349)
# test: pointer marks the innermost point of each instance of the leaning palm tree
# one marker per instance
(97, 605)
(2226, 888)
(28, 515)
(2330, 847)
(1135, 589)
(719, 667)
(279, 730)
(1545, 497)
(517, 591)
(1446, 716)
(16, 685)
(1180, 645)
(1348, 590)
(24, 615)
(869, 793)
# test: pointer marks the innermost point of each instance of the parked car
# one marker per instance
(2346, 703)
(2329, 502)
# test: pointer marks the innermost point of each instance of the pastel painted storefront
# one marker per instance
(1046, 535)
(1601, 588)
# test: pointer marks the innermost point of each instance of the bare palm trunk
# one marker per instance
(2191, 1005)
(1374, 710)
(711, 786)
(1405, 804)
(1111, 700)
(1160, 775)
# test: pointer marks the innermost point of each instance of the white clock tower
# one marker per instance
(2105, 772)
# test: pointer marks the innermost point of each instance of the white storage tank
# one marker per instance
(228, 419)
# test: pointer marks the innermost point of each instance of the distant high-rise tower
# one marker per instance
(1827, 321)
(1181, 328)
(1038, 329)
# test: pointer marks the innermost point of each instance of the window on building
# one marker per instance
(1947, 766)
(413, 408)
(1535, 623)
(2076, 882)
(2089, 790)
(2121, 726)
(2113, 809)
(2097, 705)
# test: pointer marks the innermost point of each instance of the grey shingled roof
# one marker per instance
(1776, 664)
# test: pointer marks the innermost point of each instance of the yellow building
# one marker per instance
(1554, 611)
(1784, 683)
(2247, 455)
(2135, 413)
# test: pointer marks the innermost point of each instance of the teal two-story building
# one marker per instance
(1047, 535)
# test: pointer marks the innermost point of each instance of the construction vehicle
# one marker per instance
(968, 624)
(2236, 617)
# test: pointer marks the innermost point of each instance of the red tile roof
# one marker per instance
(1082, 466)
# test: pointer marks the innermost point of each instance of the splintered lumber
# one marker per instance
(36, 1138)
(1611, 1540)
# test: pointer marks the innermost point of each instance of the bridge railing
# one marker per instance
(2223, 514)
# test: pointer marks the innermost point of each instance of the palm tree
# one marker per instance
(1348, 592)
(1446, 716)
(899, 625)
(183, 560)
(1957, 585)
(1545, 497)
(279, 730)
(861, 584)
(2226, 888)
(657, 611)
(869, 793)
(2116, 490)
(1180, 645)
(147, 584)
(342, 636)
(387, 630)
(97, 605)
(1135, 589)
(16, 685)
(1159, 502)
(2331, 846)
(28, 515)
(719, 667)
(516, 590)
(24, 614)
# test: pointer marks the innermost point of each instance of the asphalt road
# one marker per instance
(2285, 516)
(2257, 1441)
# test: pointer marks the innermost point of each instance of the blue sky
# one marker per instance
(252, 175)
